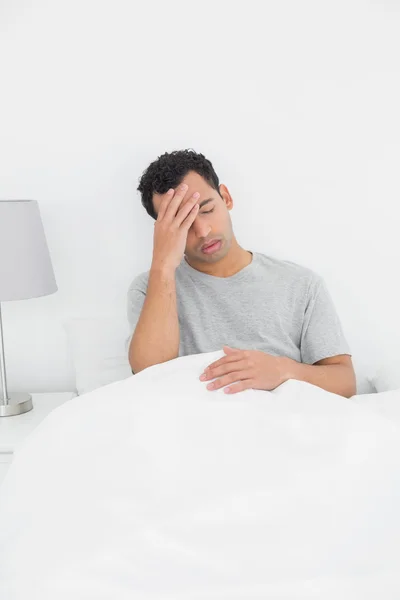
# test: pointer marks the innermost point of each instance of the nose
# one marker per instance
(200, 228)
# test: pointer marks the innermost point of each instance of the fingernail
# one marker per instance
(202, 377)
(183, 186)
(210, 386)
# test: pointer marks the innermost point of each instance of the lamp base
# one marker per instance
(17, 405)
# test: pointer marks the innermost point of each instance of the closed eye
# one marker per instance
(207, 211)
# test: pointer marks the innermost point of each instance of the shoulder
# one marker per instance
(139, 283)
(291, 272)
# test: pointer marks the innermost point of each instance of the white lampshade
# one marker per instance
(25, 264)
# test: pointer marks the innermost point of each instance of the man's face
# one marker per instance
(213, 220)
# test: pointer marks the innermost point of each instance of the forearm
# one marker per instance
(156, 337)
(338, 379)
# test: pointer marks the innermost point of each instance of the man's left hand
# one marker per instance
(251, 369)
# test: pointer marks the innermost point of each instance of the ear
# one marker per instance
(223, 190)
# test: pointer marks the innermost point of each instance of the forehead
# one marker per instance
(195, 182)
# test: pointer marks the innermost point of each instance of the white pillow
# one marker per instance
(387, 377)
(386, 404)
(98, 348)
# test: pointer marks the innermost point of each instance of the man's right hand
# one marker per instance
(172, 226)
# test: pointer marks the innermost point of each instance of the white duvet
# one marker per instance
(156, 488)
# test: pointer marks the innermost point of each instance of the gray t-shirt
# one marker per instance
(273, 305)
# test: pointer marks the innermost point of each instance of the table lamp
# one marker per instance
(25, 272)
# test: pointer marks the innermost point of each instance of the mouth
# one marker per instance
(211, 246)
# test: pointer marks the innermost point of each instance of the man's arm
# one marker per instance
(156, 336)
(334, 374)
(322, 335)
(245, 369)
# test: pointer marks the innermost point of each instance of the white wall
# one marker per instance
(295, 103)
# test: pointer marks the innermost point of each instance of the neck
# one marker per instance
(234, 261)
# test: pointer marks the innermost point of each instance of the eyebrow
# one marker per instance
(204, 202)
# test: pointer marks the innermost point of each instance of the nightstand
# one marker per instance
(13, 430)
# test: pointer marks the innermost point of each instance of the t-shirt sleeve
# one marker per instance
(322, 334)
(135, 300)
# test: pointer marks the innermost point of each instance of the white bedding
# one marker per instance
(156, 488)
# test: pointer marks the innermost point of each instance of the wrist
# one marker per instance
(288, 368)
(162, 269)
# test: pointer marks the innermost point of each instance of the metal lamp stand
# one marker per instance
(14, 404)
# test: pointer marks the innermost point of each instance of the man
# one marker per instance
(274, 319)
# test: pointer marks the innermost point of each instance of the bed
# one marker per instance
(171, 491)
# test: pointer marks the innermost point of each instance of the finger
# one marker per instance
(246, 384)
(229, 349)
(230, 367)
(227, 379)
(176, 201)
(188, 222)
(224, 360)
(186, 208)
(164, 203)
